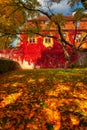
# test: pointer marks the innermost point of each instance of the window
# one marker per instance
(47, 40)
(64, 35)
(46, 23)
(78, 38)
(32, 40)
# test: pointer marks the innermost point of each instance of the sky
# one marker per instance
(63, 7)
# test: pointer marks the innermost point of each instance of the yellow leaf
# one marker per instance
(74, 120)
(10, 99)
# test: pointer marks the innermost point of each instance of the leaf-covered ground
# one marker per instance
(48, 99)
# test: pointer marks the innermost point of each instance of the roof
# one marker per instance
(67, 18)
(69, 26)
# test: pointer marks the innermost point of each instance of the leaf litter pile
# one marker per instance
(48, 99)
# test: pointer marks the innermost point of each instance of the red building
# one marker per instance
(44, 51)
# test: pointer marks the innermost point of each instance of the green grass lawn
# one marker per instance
(48, 99)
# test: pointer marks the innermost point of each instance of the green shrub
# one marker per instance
(8, 65)
(81, 61)
(78, 65)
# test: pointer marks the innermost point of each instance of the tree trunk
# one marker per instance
(67, 55)
(66, 64)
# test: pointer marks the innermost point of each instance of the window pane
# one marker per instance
(32, 40)
(47, 40)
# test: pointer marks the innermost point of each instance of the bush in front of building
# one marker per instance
(7, 65)
(81, 61)
(77, 64)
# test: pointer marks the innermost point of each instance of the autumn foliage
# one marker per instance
(48, 99)
(45, 57)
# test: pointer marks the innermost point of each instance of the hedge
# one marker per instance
(8, 65)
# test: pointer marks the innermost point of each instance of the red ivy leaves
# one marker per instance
(50, 57)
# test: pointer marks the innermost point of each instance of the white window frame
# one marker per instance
(64, 35)
(32, 39)
(78, 38)
(47, 39)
